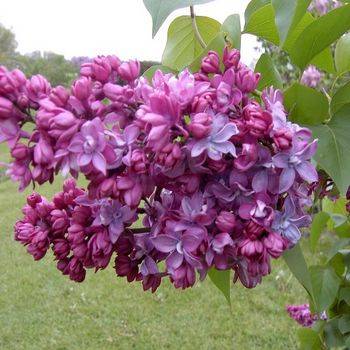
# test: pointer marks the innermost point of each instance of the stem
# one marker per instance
(257, 93)
(195, 28)
(139, 230)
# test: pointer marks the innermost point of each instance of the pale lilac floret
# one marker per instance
(217, 143)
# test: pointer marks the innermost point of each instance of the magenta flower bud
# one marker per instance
(246, 80)
(60, 221)
(82, 88)
(130, 70)
(138, 160)
(99, 69)
(211, 63)
(43, 152)
(61, 248)
(253, 230)
(20, 151)
(258, 120)
(231, 58)
(33, 199)
(226, 221)
(76, 270)
(247, 158)
(6, 108)
(23, 101)
(200, 125)
(114, 61)
(283, 139)
(69, 185)
(274, 244)
(108, 188)
(113, 91)
(37, 87)
(59, 96)
(251, 248)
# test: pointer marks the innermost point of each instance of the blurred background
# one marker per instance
(54, 37)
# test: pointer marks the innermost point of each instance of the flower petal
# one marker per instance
(307, 171)
(174, 260)
(164, 243)
(287, 178)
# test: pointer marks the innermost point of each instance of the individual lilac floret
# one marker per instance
(217, 143)
(179, 246)
(113, 215)
(292, 162)
(287, 222)
(311, 77)
(89, 145)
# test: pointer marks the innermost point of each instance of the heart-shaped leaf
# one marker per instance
(333, 153)
(222, 280)
(342, 54)
(325, 285)
(269, 74)
(232, 28)
(182, 46)
(306, 105)
(262, 24)
(288, 14)
(319, 35)
(161, 9)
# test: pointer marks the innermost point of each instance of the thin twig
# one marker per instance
(195, 28)
(139, 230)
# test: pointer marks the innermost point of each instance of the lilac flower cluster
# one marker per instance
(321, 7)
(311, 77)
(218, 178)
(303, 315)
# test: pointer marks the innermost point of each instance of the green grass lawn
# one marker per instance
(41, 309)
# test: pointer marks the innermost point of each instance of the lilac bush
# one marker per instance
(191, 170)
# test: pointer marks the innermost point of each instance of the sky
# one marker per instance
(101, 27)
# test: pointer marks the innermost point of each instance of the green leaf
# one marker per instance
(269, 74)
(262, 24)
(288, 14)
(182, 47)
(161, 9)
(333, 153)
(306, 105)
(309, 339)
(217, 44)
(333, 337)
(222, 280)
(324, 60)
(325, 285)
(295, 260)
(344, 324)
(344, 294)
(342, 54)
(319, 35)
(337, 247)
(252, 7)
(334, 206)
(232, 27)
(149, 73)
(340, 98)
(318, 225)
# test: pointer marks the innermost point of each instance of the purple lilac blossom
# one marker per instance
(216, 178)
(311, 77)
